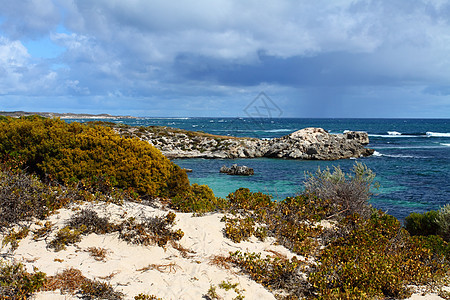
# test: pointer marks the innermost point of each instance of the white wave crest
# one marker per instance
(394, 133)
(376, 153)
(448, 145)
(438, 134)
(279, 130)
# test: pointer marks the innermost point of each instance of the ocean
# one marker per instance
(412, 158)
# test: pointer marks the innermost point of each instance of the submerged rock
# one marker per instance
(237, 170)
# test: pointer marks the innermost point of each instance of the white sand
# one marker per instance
(182, 278)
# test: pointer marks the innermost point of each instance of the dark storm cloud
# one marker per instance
(120, 53)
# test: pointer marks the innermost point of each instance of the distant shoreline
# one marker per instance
(17, 114)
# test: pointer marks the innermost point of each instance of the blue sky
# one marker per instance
(212, 58)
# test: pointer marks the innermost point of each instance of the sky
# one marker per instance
(227, 58)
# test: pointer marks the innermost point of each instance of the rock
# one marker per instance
(187, 170)
(360, 136)
(237, 170)
(307, 143)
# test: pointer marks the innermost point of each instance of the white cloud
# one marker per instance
(29, 18)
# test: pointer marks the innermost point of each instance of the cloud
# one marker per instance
(139, 51)
(28, 18)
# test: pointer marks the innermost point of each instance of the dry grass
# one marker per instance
(72, 281)
(221, 261)
(69, 281)
(185, 252)
(276, 254)
(99, 254)
(110, 276)
(163, 268)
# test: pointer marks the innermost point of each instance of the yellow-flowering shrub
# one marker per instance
(76, 152)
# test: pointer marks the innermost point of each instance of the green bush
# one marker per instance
(350, 193)
(422, 224)
(443, 221)
(75, 152)
(243, 199)
(16, 283)
(198, 198)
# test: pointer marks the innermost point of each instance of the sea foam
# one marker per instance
(394, 133)
(438, 134)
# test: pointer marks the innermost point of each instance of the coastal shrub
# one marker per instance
(87, 221)
(349, 193)
(243, 199)
(291, 221)
(239, 229)
(275, 273)
(422, 224)
(74, 152)
(197, 198)
(443, 221)
(24, 196)
(16, 283)
(150, 231)
(378, 259)
(82, 223)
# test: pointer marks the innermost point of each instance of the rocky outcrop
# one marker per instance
(308, 143)
(316, 143)
(237, 170)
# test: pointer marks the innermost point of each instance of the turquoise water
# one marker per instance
(412, 158)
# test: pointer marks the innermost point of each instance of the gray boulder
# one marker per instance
(237, 170)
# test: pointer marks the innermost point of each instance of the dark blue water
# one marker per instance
(412, 158)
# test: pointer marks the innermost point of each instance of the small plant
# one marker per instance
(94, 289)
(146, 297)
(64, 237)
(14, 237)
(16, 283)
(43, 232)
(152, 230)
(212, 293)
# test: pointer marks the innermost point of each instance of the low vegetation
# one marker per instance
(148, 231)
(72, 153)
(72, 281)
(16, 283)
(430, 223)
(366, 254)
